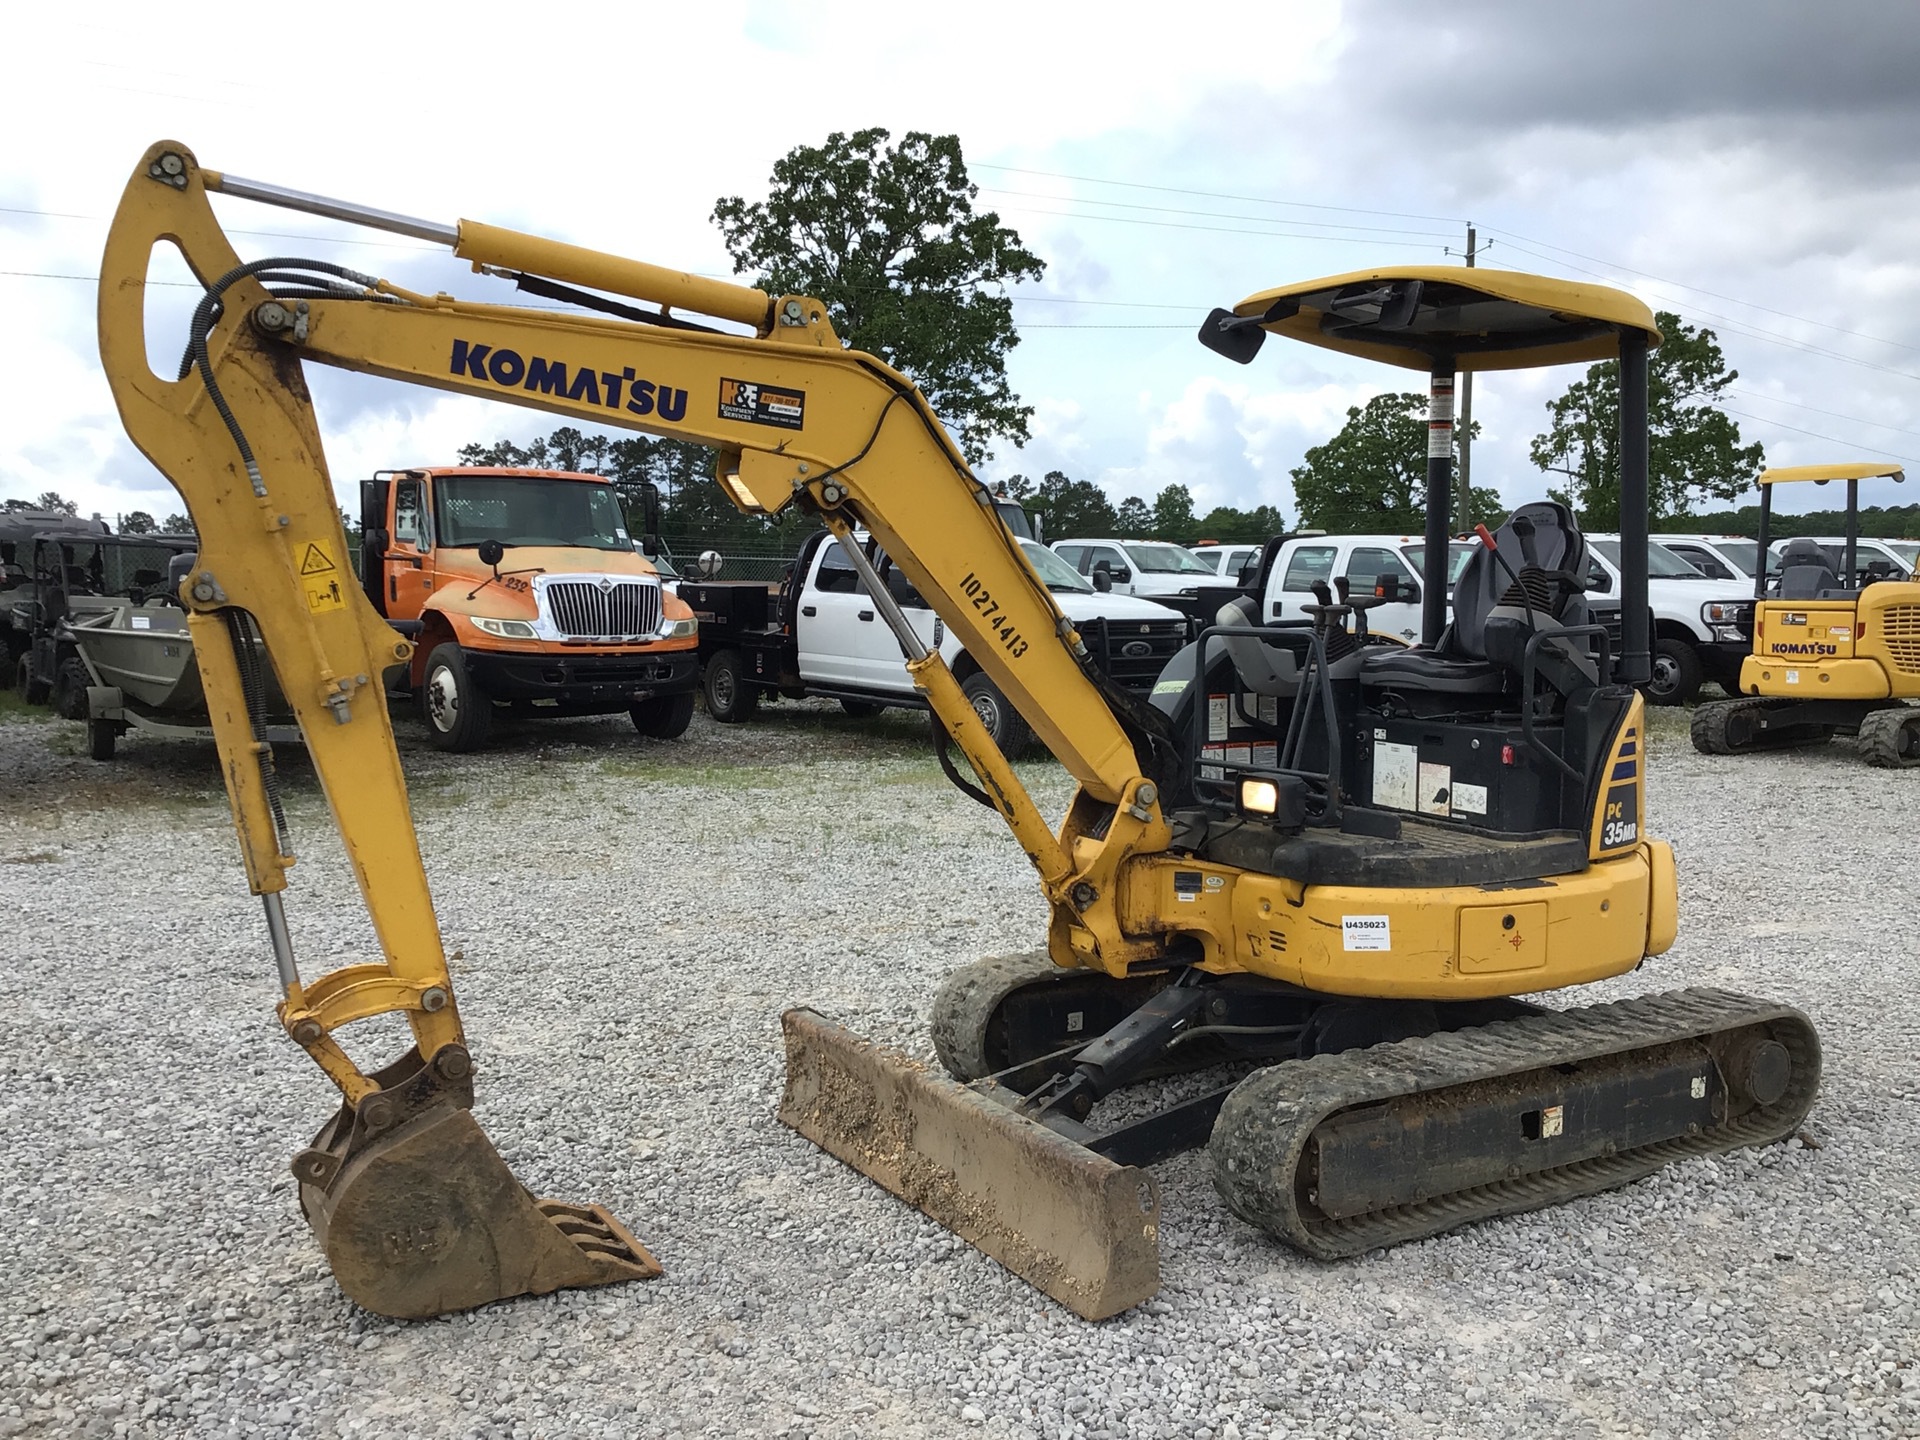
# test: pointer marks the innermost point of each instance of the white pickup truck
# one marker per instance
(819, 634)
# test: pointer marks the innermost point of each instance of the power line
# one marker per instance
(264, 234)
(1215, 214)
(1834, 414)
(1815, 434)
(1221, 229)
(1219, 195)
(1731, 299)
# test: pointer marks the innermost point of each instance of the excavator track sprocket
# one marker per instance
(1346, 1153)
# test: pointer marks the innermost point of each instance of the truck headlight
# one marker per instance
(679, 629)
(505, 629)
(1725, 612)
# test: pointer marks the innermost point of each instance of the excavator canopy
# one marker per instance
(1412, 316)
(1821, 474)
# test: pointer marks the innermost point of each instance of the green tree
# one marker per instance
(47, 500)
(1694, 449)
(1372, 476)
(887, 236)
(1226, 524)
(1173, 515)
(1073, 508)
(177, 524)
(137, 522)
(1134, 519)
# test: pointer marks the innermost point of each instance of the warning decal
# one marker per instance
(315, 561)
(324, 595)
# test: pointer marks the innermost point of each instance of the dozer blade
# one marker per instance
(1069, 1222)
(418, 1215)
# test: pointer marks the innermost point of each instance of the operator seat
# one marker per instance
(1496, 610)
(1805, 573)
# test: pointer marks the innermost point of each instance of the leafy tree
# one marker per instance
(1373, 475)
(1134, 519)
(137, 522)
(1173, 515)
(177, 524)
(1073, 507)
(1226, 524)
(1694, 449)
(47, 500)
(887, 236)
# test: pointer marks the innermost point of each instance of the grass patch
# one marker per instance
(15, 711)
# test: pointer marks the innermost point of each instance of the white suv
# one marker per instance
(1138, 567)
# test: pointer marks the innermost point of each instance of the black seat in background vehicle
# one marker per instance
(1805, 573)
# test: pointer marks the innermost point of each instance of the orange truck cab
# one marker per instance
(525, 589)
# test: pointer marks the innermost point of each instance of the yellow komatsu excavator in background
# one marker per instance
(1832, 654)
(1308, 843)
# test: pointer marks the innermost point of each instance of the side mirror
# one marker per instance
(649, 518)
(374, 541)
(1599, 582)
(492, 552)
(1122, 575)
(1102, 581)
(1397, 590)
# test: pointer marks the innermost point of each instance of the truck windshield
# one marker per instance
(1458, 554)
(529, 510)
(1662, 563)
(1907, 550)
(1741, 553)
(1054, 572)
(1164, 559)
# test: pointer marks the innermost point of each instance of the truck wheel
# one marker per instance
(458, 713)
(861, 709)
(1676, 674)
(27, 685)
(70, 689)
(730, 696)
(1003, 722)
(101, 737)
(664, 717)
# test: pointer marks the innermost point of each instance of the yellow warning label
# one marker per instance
(324, 595)
(315, 562)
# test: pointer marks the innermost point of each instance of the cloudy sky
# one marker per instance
(1754, 166)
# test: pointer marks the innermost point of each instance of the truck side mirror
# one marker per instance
(901, 588)
(492, 552)
(374, 542)
(649, 519)
(1102, 581)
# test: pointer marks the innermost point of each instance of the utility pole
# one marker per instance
(1465, 431)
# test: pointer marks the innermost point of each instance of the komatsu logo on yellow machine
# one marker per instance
(1801, 647)
(607, 388)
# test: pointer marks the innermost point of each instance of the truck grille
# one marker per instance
(604, 609)
(1900, 628)
(1134, 652)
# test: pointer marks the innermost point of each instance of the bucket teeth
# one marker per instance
(1069, 1222)
(418, 1215)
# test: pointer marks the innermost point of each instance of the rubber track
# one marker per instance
(1261, 1137)
(1711, 727)
(963, 1006)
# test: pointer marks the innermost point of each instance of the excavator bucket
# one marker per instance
(1073, 1224)
(418, 1215)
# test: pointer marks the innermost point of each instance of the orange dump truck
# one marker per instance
(522, 589)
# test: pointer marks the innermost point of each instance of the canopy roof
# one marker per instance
(1484, 319)
(1820, 474)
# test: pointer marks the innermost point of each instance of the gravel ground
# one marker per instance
(632, 917)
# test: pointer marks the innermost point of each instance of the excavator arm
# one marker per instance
(797, 420)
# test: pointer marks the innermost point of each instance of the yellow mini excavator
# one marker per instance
(1318, 866)
(1832, 654)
